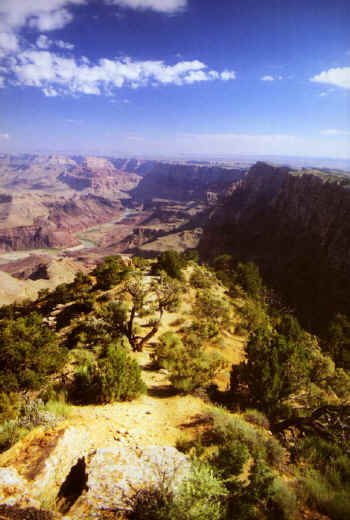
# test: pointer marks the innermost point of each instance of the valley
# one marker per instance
(86, 208)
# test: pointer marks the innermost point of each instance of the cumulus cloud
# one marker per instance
(43, 15)
(8, 43)
(227, 75)
(334, 131)
(62, 75)
(162, 6)
(4, 136)
(64, 45)
(340, 77)
(267, 78)
(43, 42)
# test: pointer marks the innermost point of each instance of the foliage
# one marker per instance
(256, 417)
(113, 377)
(9, 405)
(315, 489)
(204, 329)
(29, 352)
(160, 297)
(89, 333)
(189, 366)
(171, 263)
(80, 307)
(202, 278)
(209, 305)
(10, 433)
(198, 498)
(228, 428)
(31, 414)
(230, 458)
(140, 263)
(191, 255)
(247, 275)
(111, 272)
(337, 341)
(276, 366)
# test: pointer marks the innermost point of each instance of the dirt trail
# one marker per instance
(157, 418)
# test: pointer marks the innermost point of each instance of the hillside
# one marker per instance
(125, 368)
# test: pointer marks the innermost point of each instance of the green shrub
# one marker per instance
(9, 406)
(199, 497)
(29, 352)
(256, 417)
(114, 377)
(284, 497)
(205, 329)
(10, 433)
(58, 407)
(171, 262)
(227, 427)
(314, 489)
(189, 366)
(338, 507)
(201, 279)
(231, 458)
(111, 272)
(31, 413)
(276, 455)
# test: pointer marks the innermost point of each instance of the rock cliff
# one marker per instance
(297, 228)
(184, 182)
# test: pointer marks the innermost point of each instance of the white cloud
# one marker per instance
(267, 78)
(50, 92)
(323, 94)
(51, 21)
(67, 76)
(43, 42)
(334, 131)
(5, 136)
(64, 45)
(8, 43)
(162, 6)
(227, 75)
(340, 77)
(43, 14)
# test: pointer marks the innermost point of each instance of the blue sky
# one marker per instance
(170, 77)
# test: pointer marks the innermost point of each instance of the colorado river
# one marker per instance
(12, 256)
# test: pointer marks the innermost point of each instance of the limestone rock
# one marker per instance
(116, 473)
(14, 489)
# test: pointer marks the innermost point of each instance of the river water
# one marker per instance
(12, 256)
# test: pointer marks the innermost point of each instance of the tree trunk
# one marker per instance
(148, 336)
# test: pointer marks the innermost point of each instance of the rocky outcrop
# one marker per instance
(116, 473)
(297, 228)
(64, 467)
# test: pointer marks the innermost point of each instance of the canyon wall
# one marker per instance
(184, 182)
(297, 228)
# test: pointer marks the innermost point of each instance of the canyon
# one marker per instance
(85, 208)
